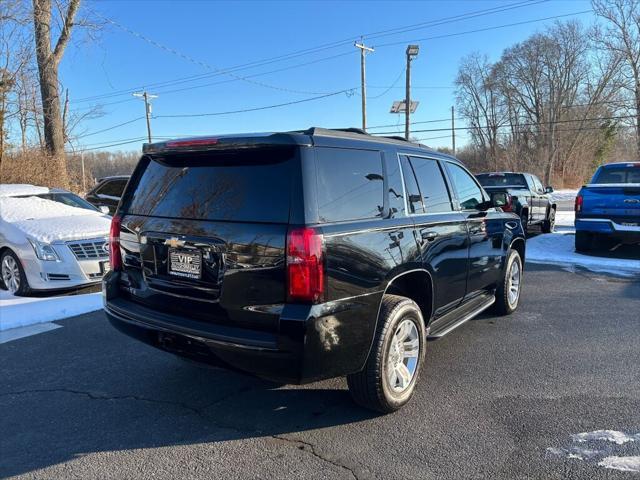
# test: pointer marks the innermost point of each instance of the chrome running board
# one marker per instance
(481, 308)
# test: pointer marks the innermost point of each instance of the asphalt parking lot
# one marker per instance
(84, 401)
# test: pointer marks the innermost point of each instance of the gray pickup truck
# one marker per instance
(525, 196)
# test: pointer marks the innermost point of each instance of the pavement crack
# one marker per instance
(96, 396)
(311, 448)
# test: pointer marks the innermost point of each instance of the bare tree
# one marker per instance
(48, 60)
(478, 101)
(620, 35)
(14, 57)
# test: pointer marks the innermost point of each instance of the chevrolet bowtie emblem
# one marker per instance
(174, 242)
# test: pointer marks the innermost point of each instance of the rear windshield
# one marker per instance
(502, 180)
(246, 186)
(622, 174)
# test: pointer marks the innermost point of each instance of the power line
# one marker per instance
(291, 55)
(254, 109)
(113, 127)
(414, 123)
(495, 27)
(532, 124)
(380, 46)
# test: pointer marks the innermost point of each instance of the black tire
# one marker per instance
(371, 387)
(505, 305)
(524, 218)
(550, 222)
(23, 288)
(584, 241)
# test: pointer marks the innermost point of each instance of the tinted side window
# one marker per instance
(113, 188)
(433, 189)
(350, 184)
(414, 199)
(468, 191)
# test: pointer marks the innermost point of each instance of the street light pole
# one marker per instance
(363, 80)
(147, 97)
(412, 52)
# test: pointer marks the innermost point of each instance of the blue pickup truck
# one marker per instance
(609, 206)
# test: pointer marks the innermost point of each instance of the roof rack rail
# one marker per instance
(396, 137)
(350, 130)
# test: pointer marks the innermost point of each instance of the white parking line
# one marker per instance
(22, 332)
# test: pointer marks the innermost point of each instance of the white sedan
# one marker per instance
(48, 244)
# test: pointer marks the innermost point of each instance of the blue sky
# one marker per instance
(149, 42)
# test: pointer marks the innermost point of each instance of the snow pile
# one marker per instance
(15, 189)
(21, 311)
(558, 248)
(597, 439)
(35, 208)
(613, 436)
(48, 221)
(564, 195)
(624, 464)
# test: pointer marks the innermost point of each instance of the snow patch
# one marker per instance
(613, 436)
(22, 311)
(15, 189)
(564, 195)
(22, 332)
(625, 464)
(577, 453)
(558, 248)
(48, 221)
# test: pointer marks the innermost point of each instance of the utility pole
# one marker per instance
(147, 97)
(412, 52)
(363, 80)
(453, 130)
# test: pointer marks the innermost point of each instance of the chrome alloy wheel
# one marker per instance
(515, 277)
(10, 274)
(402, 357)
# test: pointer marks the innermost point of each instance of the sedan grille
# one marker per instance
(91, 249)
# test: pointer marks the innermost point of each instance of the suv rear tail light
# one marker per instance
(305, 266)
(115, 257)
(579, 201)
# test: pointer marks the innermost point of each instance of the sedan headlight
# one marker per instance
(44, 251)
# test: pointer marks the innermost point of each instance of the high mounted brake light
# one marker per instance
(305, 266)
(195, 142)
(115, 256)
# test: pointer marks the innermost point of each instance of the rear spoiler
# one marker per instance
(222, 142)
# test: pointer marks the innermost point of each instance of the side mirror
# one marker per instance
(548, 190)
(104, 209)
(499, 199)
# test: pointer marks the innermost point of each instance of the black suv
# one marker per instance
(107, 192)
(306, 255)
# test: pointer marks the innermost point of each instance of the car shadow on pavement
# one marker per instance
(94, 399)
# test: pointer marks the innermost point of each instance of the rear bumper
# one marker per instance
(312, 343)
(605, 226)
